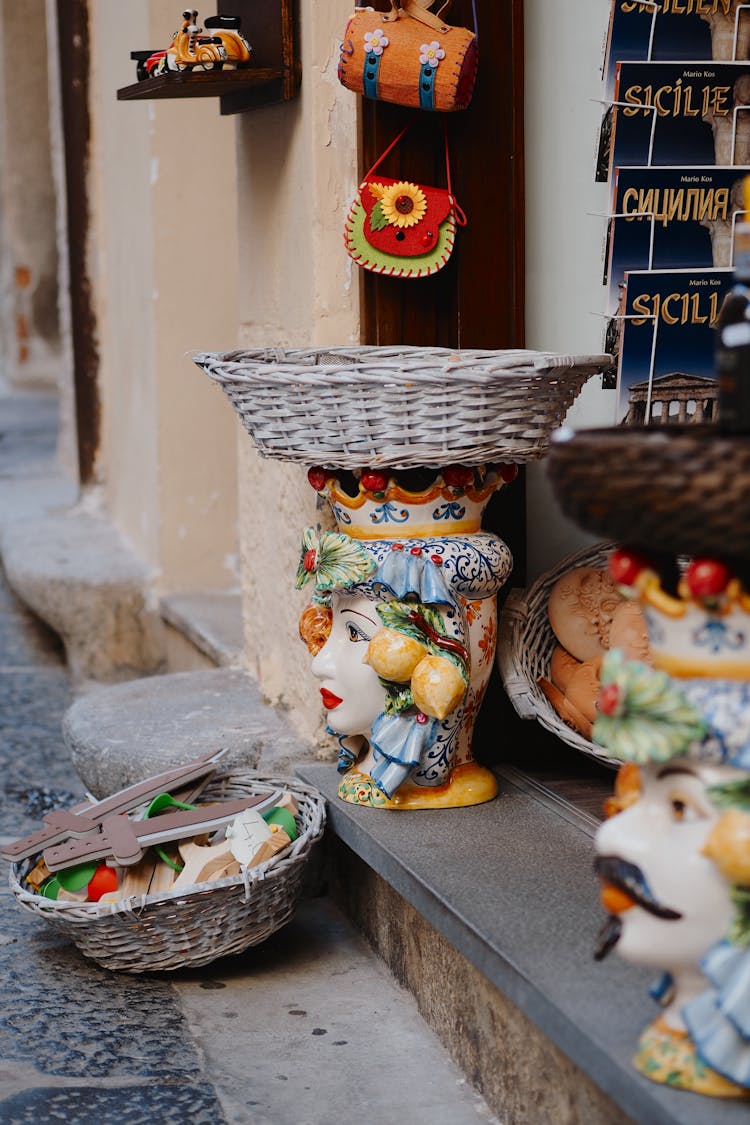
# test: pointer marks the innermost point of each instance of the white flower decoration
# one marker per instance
(375, 42)
(431, 54)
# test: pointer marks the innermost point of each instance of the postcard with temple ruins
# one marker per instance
(666, 345)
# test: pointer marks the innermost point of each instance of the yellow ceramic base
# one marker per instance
(470, 784)
(668, 1056)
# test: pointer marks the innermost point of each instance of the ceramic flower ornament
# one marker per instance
(674, 855)
(331, 561)
(403, 635)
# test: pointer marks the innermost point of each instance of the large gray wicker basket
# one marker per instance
(353, 407)
(187, 928)
(525, 646)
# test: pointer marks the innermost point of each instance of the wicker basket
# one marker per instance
(400, 407)
(183, 929)
(677, 489)
(525, 646)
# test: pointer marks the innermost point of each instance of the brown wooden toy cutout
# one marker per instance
(85, 819)
(126, 839)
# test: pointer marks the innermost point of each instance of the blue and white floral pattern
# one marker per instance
(450, 511)
(717, 637)
(389, 513)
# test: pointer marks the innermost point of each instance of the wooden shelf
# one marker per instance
(238, 90)
(273, 76)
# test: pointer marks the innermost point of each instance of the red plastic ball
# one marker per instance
(102, 882)
(706, 578)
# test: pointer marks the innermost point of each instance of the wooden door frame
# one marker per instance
(477, 300)
(73, 47)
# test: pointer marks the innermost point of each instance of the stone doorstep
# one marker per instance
(119, 734)
(489, 916)
(80, 577)
(210, 622)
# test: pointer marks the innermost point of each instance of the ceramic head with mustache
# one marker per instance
(673, 858)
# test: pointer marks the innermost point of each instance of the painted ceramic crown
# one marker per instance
(698, 620)
(695, 699)
(380, 504)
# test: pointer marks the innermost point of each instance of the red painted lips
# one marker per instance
(329, 699)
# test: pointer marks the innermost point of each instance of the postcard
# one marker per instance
(669, 114)
(676, 31)
(672, 218)
(666, 345)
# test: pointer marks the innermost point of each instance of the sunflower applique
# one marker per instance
(399, 205)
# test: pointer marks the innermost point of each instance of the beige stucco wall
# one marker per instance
(29, 324)
(297, 176)
(163, 261)
(565, 227)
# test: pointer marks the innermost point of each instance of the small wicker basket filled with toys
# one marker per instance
(173, 872)
(554, 638)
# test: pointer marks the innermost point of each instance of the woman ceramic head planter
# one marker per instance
(674, 855)
(393, 632)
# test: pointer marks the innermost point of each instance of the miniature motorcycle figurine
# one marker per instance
(191, 49)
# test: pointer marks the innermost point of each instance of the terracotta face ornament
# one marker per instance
(674, 856)
(405, 651)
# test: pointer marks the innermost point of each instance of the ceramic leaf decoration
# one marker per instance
(643, 714)
(426, 627)
(332, 560)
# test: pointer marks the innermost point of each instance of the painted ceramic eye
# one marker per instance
(355, 633)
(683, 811)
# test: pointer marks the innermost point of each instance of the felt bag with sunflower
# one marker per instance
(399, 228)
(410, 56)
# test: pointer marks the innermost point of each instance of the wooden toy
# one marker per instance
(86, 818)
(125, 839)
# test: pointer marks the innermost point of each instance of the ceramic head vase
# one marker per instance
(674, 854)
(402, 628)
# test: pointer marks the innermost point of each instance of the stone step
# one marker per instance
(202, 630)
(80, 577)
(119, 734)
(489, 915)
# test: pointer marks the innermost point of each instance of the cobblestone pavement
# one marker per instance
(307, 1029)
(77, 1044)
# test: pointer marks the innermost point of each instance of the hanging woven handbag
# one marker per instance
(410, 56)
(400, 228)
